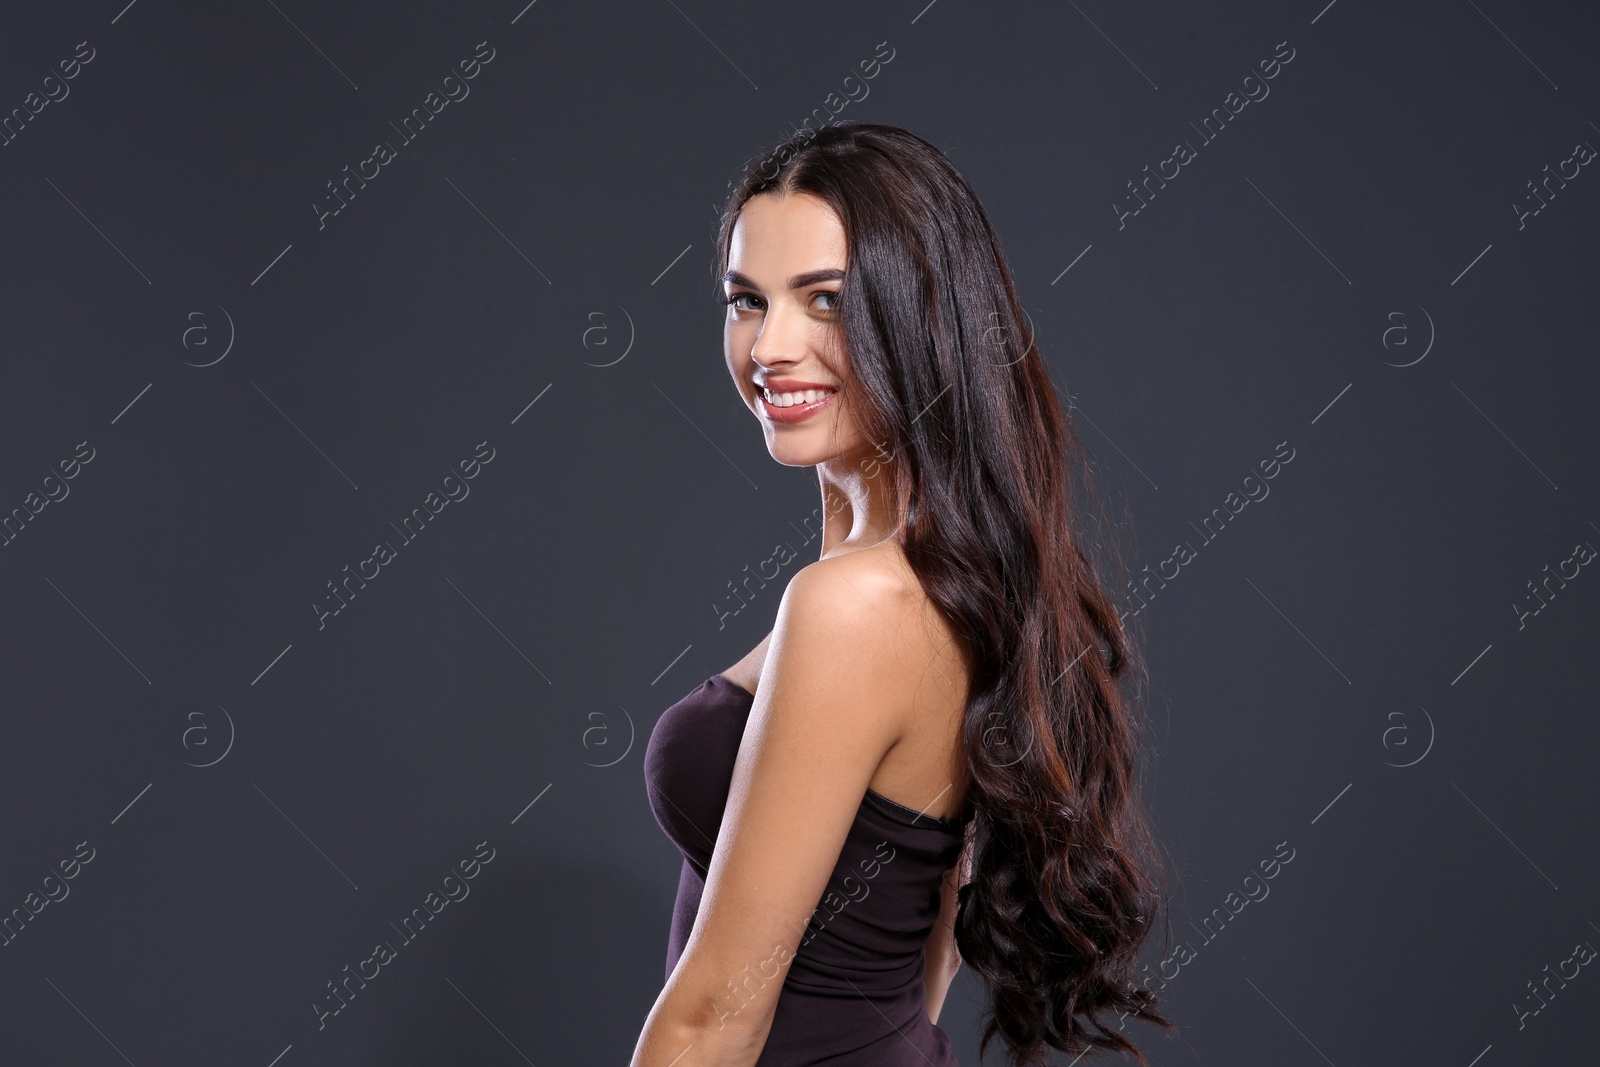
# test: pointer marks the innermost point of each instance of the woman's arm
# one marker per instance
(831, 702)
(679, 1034)
(943, 959)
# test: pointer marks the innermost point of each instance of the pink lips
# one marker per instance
(798, 412)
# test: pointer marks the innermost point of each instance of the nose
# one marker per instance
(781, 339)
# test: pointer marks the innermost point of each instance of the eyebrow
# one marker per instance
(799, 281)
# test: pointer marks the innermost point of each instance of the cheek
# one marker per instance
(740, 371)
(848, 415)
(738, 338)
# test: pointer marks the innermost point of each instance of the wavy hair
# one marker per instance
(1062, 890)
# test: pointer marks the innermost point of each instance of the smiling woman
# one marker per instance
(921, 764)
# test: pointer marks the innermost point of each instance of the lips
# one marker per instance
(783, 398)
(793, 412)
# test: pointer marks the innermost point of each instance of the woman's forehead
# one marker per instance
(776, 236)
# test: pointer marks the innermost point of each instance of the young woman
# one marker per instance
(928, 760)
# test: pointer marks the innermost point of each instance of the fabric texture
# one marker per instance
(854, 992)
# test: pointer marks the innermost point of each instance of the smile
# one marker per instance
(793, 405)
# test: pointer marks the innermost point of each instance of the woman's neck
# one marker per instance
(859, 504)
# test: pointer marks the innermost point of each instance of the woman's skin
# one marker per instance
(775, 333)
(861, 683)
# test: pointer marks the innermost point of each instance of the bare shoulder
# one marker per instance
(853, 597)
(862, 582)
(871, 592)
(869, 607)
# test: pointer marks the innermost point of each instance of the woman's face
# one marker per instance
(782, 336)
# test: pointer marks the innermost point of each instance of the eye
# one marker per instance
(733, 300)
(832, 295)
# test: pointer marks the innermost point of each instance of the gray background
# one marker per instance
(1283, 288)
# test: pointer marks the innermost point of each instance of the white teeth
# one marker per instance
(790, 399)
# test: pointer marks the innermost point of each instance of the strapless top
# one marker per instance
(854, 993)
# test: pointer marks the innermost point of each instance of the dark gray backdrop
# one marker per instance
(1352, 669)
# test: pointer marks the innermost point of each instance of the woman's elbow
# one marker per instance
(704, 1031)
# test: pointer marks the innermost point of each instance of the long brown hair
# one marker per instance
(949, 384)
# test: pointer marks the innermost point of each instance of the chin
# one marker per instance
(793, 453)
(797, 456)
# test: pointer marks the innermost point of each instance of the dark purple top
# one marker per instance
(853, 994)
